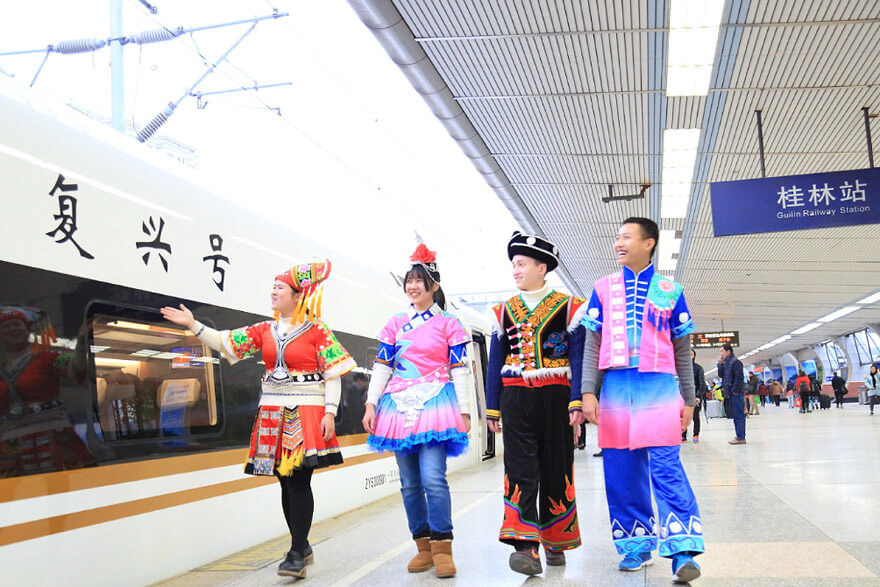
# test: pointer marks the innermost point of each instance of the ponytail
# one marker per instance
(440, 298)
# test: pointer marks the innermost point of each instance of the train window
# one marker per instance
(354, 384)
(152, 379)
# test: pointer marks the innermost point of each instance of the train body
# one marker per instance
(129, 467)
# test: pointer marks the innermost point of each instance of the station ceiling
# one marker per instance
(569, 96)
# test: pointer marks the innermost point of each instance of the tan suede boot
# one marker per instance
(443, 564)
(423, 560)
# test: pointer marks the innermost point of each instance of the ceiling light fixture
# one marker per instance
(807, 328)
(693, 37)
(668, 249)
(870, 299)
(781, 339)
(679, 160)
(839, 313)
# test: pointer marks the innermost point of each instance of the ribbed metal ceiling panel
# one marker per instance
(578, 124)
(528, 65)
(685, 111)
(828, 55)
(568, 95)
(516, 17)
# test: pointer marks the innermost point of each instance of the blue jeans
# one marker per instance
(738, 406)
(425, 492)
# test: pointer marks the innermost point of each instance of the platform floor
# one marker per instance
(798, 505)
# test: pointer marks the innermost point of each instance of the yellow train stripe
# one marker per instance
(30, 486)
(67, 522)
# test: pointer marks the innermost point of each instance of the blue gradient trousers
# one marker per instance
(629, 477)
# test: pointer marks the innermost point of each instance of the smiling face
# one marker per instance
(284, 299)
(420, 295)
(528, 273)
(13, 332)
(631, 247)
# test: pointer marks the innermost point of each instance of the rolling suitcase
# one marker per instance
(713, 409)
(825, 402)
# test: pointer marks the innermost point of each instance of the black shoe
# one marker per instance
(527, 562)
(598, 454)
(295, 563)
(555, 558)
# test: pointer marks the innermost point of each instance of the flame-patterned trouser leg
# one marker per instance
(539, 497)
(629, 478)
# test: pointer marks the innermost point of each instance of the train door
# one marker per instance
(480, 359)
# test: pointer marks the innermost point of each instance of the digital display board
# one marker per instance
(708, 340)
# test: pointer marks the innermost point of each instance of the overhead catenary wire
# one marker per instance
(40, 68)
(302, 132)
(202, 103)
(161, 118)
(197, 51)
(151, 36)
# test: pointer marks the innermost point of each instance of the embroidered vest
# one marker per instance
(656, 354)
(538, 341)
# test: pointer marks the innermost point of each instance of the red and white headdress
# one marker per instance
(37, 322)
(426, 258)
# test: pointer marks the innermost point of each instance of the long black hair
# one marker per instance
(418, 271)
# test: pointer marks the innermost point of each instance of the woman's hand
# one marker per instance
(328, 426)
(182, 317)
(369, 420)
(467, 422)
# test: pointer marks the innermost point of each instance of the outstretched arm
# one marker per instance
(182, 317)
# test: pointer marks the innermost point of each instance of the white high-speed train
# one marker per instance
(121, 458)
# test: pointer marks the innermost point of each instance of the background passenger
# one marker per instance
(701, 394)
(872, 383)
(775, 391)
(802, 384)
(731, 370)
(838, 384)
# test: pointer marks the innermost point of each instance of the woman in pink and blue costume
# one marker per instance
(418, 407)
(637, 325)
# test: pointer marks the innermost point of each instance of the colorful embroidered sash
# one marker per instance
(655, 348)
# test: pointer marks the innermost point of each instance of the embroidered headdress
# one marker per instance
(426, 258)
(533, 246)
(308, 278)
(37, 322)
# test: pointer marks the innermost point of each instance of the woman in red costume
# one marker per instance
(36, 435)
(294, 432)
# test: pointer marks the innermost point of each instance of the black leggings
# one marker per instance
(298, 504)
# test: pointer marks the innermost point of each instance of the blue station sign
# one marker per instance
(796, 202)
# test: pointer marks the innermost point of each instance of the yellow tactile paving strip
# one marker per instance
(254, 558)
